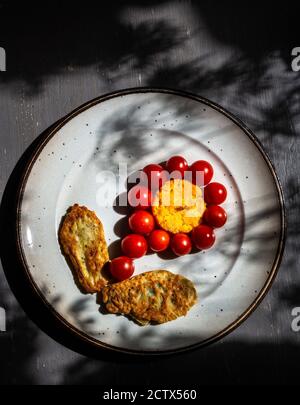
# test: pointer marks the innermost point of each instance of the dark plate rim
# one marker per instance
(49, 134)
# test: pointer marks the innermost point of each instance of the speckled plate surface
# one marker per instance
(74, 164)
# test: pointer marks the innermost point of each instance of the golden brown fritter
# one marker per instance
(82, 238)
(156, 296)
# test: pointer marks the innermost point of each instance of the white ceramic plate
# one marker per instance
(138, 127)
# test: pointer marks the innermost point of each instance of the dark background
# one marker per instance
(239, 56)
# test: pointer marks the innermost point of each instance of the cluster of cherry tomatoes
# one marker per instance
(146, 234)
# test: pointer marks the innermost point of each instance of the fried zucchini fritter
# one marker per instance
(82, 239)
(156, 296)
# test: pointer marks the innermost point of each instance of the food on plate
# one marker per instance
(185, 211)
(215, 216)
(215, 193)
(156, 176)
(83, 242)
(182, 198)
(178, 206)
(203, 237)
(202, 172)
(177, 164)
(134, 246)
(140, 197)
(156, 296)
(181, 244)
(158, 240)
(121, 268)
(141, 222)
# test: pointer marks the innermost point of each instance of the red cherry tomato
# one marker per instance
(141, 222)
(134, 246)
(159, 240)
(181, 244)
(156, 175)
(215, 193)
(204, 167)
(140, 197)
(178, 164)
(121, 268)
(215, 216)
(203, 236)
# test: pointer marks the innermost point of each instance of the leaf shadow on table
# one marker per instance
(42, 40)
(112, 45)
(36, 52)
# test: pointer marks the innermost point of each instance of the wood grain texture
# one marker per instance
(205, 49)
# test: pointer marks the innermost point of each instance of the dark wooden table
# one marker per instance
(240, 58)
